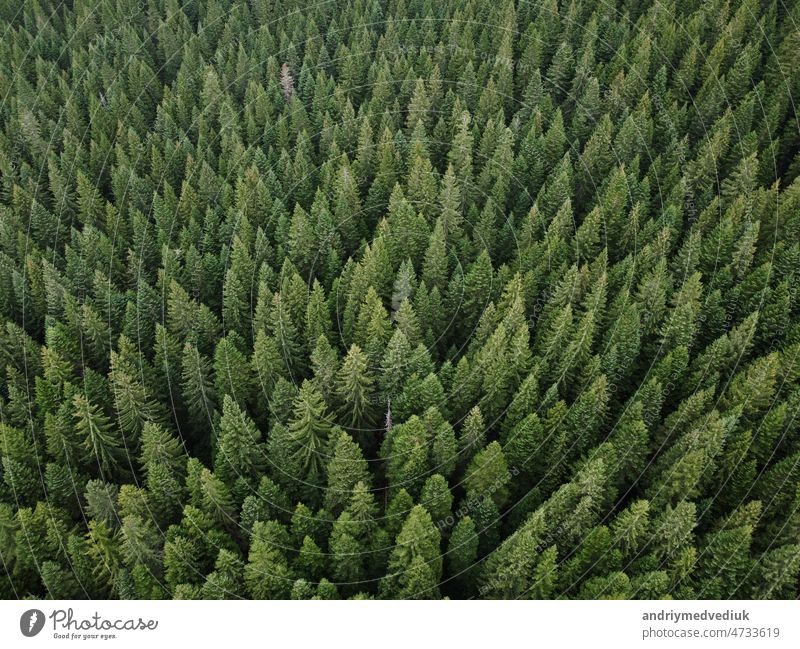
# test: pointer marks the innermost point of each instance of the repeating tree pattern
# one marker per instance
(399, 299)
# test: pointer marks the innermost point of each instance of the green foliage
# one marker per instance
(238, 452)
(399, 299)
(267, 574)
(346, 469)
(415, 564)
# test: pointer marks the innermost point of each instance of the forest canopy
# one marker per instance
(399, 299)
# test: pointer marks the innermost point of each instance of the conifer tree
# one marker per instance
(346, 468)
(267, 574)
(308, 433)
(197, 388)
(415, 564)
(238, 452)
(102, 445)
(354, 385)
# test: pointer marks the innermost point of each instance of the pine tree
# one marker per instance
(437, 499)
(215, 498)
(357, 543)
(775, 573)
(462, 553)
(283, 330)
(226, 581)
(405, 449)
(415, 564)
(354, 386)
(267, 574)
(487, 475)
(140, 543)
(101, 442)
(346, 468)
(725, 561)
(238, 452)
(310, 560)
(197, 388)
(161, 448)
(318, 320)
(308, 433)
(134, 405)
(460, 157)
(232, 371)
(435, 266)
(267, 367)
(472, 436)
(394, 369)
(325, 366)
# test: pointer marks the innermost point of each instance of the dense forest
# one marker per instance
(399, 299)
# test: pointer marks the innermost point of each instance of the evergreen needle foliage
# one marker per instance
(399, 299)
